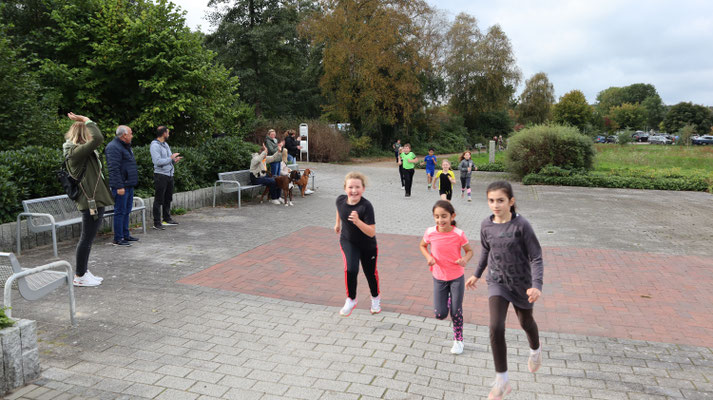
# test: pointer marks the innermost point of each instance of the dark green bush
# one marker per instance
(30, 172)
(533, 148)
(671, 179)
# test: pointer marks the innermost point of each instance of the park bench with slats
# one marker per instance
(34, 283)
(49, 213)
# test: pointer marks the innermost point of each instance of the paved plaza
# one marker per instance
(243, 303)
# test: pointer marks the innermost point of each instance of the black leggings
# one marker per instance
(368, 255)
(90, 227)
(408, 178)
(164, 194)
(498, 313)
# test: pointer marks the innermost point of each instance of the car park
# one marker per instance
(702, 140)
(640, 136)
(612, 139)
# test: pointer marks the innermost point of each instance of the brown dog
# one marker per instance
(302, 182)
(283, 182)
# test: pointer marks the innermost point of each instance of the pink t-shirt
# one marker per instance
(445, 248)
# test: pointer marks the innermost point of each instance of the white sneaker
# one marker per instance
(85, 280)
(98, 278)
(376, 305)
(499, 390)
(281, 200)
(457, 347)
(307, 191)
(534, 362)
(348, 307)
(275, 201)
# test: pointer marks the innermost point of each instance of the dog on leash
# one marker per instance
(285, 184)
(302, 182)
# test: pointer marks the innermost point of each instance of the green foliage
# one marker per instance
(258, 39)
(130, 62)
(30, 172)
(624, 137)
(533, 148)
(494, 123)
(536, 100)
(667, 179)
(360, 146)
(178, 211)
(686, 133)
(573, 110)
(5, 322)
(683, 114)
(628, 115)
(27, 110)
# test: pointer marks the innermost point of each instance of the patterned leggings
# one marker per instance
(449, 295)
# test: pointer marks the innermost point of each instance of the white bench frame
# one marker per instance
(35, 283)
(139, 205)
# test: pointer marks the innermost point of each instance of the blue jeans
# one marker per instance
(291, 159)
(122, 208)
(275, 169)
(269, 182)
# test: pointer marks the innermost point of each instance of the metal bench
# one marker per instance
(48, 213)
(34, 283)
(233, 181)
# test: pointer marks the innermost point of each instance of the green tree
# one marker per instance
(573, 110)
(131, 62)
(536, 100)
(28, 112)
(278, 69)
(481, 70)
(687, 113)
(639, 93)
(628, 115)
(372, 60)
(655, 111)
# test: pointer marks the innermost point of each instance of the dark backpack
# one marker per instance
(69, 183)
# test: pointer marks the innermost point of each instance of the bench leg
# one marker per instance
(72, 308)
(143, 219)
(19, 234)
(54, 241)
(239, 196)
(213, 195)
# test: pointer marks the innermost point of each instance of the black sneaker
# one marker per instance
(170, 222)
(122, 243)
(131, 239)
(158, 227)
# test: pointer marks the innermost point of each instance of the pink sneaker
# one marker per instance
(498, 392)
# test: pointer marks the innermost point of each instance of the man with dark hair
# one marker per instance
(163, 168)
(123, 177)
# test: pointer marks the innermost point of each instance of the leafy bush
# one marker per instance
(30, 172)
(668, 179)
(5, 322)
(624, 137)
(360, 146)
(686, 133)
(533, 148)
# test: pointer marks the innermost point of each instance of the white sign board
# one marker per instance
(304, 140)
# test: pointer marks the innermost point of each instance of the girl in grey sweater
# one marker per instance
(466, 167)
(512, 254)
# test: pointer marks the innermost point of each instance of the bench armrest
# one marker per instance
(138, 202)
(30, 214)
(227, 181)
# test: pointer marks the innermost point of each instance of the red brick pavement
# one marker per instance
(623, 294)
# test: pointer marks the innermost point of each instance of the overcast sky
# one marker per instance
(592, 45)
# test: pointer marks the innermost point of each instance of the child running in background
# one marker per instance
(512, 254)
(447, 266)
(430, 160)
(445, 178)
(466, 167)
(408, 161)
(356, 227)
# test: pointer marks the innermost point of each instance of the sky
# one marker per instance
(592, 45)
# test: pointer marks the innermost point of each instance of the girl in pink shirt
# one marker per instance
(447, 265)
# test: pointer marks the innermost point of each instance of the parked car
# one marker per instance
(600, 139)
(640, 136)
(703, 140)
(660, 139)
(612, 139)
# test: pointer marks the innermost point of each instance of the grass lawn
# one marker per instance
(652, 157)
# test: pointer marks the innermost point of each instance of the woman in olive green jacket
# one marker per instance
(83, 138)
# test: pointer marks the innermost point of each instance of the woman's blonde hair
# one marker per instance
(355, 175)
(77, 133)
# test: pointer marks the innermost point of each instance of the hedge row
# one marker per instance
(670, 179)
(30, 172)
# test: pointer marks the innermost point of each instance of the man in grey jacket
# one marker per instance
(163, 168)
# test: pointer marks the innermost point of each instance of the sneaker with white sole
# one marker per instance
(281, 200)
(499, 390)
(275, 201)
(349, 306)
(376, 305)
(98, 278)
(534, 362)
(85, 280)
(307, 191)
(457, 347)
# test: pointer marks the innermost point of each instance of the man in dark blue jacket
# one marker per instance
(123, 177)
